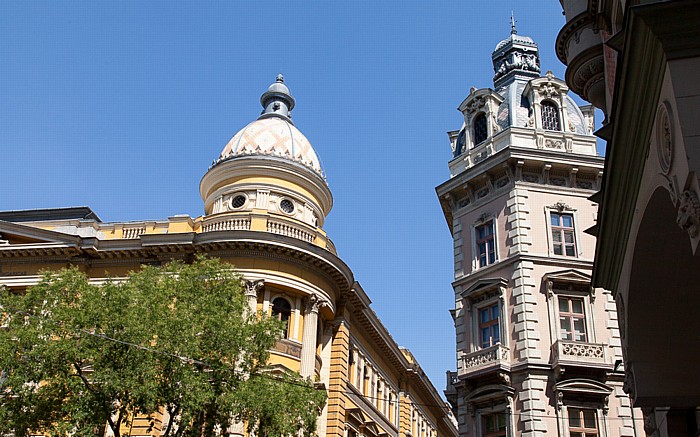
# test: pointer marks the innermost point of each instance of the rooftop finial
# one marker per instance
(513, 31)
(280, 78)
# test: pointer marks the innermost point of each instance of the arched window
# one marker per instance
(461, 142)
(480, 130)
(550, 116)
(281, 309)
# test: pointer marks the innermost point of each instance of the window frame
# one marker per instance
(572, 289)
(477, 118)
(287, 330)
(549, 103)
(562, 209)
(584, 394)
(483, 221)
(483, 294)
(571, 315)
(561, 229)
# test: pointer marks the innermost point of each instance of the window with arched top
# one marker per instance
(550, 116)
(480, 130)
(282, 310)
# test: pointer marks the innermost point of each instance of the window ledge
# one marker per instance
(485, 360)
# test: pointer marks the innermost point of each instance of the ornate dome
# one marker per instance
(273, 134)
(274, 137)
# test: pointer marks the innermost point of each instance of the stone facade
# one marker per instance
(538, 348)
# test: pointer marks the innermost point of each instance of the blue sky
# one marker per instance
(122, 106)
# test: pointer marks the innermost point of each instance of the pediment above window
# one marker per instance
(546, 87)
(485, 289)
(477, 101)
(489, 393)
(568, 281)
(583, 390)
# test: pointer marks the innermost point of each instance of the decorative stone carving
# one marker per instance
(664, 138)
(253, 287)
(314, 304)
(581, 350)
(561, 207)
(553, 144)
(476, 104)
(689, 213)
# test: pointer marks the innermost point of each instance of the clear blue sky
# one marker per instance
(122, 106)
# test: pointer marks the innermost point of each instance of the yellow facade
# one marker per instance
(264, 217)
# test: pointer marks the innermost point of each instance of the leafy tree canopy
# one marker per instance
(180, 339)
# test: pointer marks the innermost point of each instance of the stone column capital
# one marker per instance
(312, 304)
(253, 287)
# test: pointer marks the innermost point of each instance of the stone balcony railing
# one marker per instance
(576, 353)
(226, 223)
(274, 224)
(491, 358)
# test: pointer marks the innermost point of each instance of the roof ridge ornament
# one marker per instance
(513, 30)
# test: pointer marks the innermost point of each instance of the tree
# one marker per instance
(77, 356)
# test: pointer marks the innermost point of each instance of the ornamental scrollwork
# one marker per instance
(476, 104)
(689, 213)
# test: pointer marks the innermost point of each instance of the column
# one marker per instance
(251, 293)
(308, 339)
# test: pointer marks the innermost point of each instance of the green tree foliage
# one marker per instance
(77, 357)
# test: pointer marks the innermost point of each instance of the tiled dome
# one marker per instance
(275, 137)
(273, 134)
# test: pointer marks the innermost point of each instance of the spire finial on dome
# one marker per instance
(513, 30)
(277, 101)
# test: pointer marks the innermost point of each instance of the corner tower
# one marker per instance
(536, 345)
(270, 172)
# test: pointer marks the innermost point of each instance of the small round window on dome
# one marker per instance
(238, 201)
(287, 206)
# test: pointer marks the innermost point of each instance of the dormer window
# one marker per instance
(550, 116)
(480, 129)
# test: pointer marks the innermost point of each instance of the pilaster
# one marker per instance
(338, 380)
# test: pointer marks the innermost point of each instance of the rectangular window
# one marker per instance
(572, 318)
(493, 425)
(489, 330)
(563, 239)
(485, 244)
(582, 423)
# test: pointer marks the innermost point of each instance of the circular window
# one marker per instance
(238, 201)
(287, 206)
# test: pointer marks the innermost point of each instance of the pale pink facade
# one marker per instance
(538, 349)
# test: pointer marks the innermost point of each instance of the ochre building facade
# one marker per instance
(265, 202)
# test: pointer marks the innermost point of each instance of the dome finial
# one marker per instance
(277, 101)
(513, 31)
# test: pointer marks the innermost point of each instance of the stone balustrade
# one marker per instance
(226, 223)
(495, 356)
(134, 232)
(290, 229)
(575, 352)
(274, 224)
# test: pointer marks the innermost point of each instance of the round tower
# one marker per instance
(269, 170)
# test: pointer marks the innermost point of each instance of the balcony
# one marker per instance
(274, 224)
(576, 353)
(485, 360)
